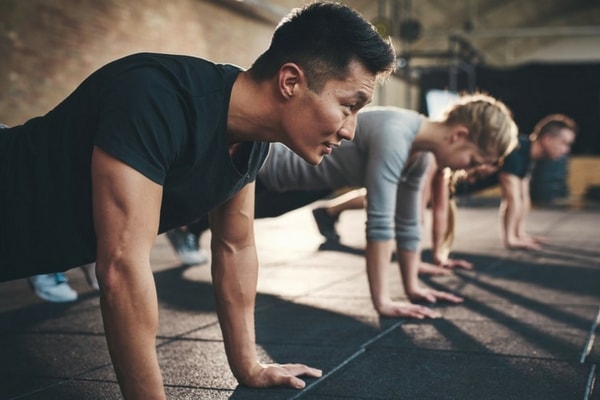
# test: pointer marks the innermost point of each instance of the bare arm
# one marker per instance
(378, 266)
(443, 220)
(235, 274)
(409, 262)
(126, 229)
(513, 212)
(439, 211)
(521, 232)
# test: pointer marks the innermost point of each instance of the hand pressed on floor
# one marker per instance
(267, 375)
(399, 309)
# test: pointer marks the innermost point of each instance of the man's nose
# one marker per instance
(348, 129)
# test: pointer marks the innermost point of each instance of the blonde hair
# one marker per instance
(489, 121)
(451, 178)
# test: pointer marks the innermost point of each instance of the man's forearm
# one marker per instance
(235, 278)
(129, 311)
(524, 212)
(511, 217)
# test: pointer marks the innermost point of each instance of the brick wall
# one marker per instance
(48, 47)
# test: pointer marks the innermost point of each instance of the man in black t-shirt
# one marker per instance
(153, 141)
(551, 139)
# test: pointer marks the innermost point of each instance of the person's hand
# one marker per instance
(452, 263)
(399, 309)
(267, 375)
(432, 296)
(426, 268)
(523, 243)
(539, 239)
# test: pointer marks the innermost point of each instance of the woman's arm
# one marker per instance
(378, 266)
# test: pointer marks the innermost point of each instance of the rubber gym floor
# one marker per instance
(527, 329)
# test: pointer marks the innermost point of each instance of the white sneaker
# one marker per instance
(89, 270)
(187, 247)
(52, 287)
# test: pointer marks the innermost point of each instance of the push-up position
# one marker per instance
(151, 142)
(389, 157)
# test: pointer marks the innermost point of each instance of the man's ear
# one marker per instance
(290, 76)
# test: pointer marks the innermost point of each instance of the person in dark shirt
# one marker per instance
(150, 142)
(551, 139)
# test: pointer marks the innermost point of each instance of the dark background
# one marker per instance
(533, 91)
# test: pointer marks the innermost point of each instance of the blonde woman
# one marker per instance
(389, 157)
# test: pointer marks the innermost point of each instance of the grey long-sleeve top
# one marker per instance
(377, 160)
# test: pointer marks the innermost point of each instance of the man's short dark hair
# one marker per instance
(552, 125)
(323, 38)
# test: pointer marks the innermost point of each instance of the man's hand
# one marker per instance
(398, 309)
(432, 296)
(267, 375)
(523, 243)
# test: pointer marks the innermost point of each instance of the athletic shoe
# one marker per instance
(52, 287)
(334, 245)
(187, 247)
(89, 270)
(326, 224)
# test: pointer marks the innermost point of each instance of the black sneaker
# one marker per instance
(187, 247)
(326, 224)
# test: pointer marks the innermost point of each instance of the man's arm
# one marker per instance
(235, 274)
(515, 195)
(126, 216)
(521, 232)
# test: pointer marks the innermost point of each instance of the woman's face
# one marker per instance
(463, 154)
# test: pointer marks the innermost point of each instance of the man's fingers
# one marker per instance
(302, 370)
(287, 375)
(525, 246)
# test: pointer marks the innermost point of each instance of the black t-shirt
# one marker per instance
(519, 162)
(164, 115)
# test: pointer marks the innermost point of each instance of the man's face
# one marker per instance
(316, 123)
(556, 146)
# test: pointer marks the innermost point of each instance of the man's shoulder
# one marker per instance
(517, 162)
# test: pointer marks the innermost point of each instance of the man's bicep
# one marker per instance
(126, 208)
(233, 221)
